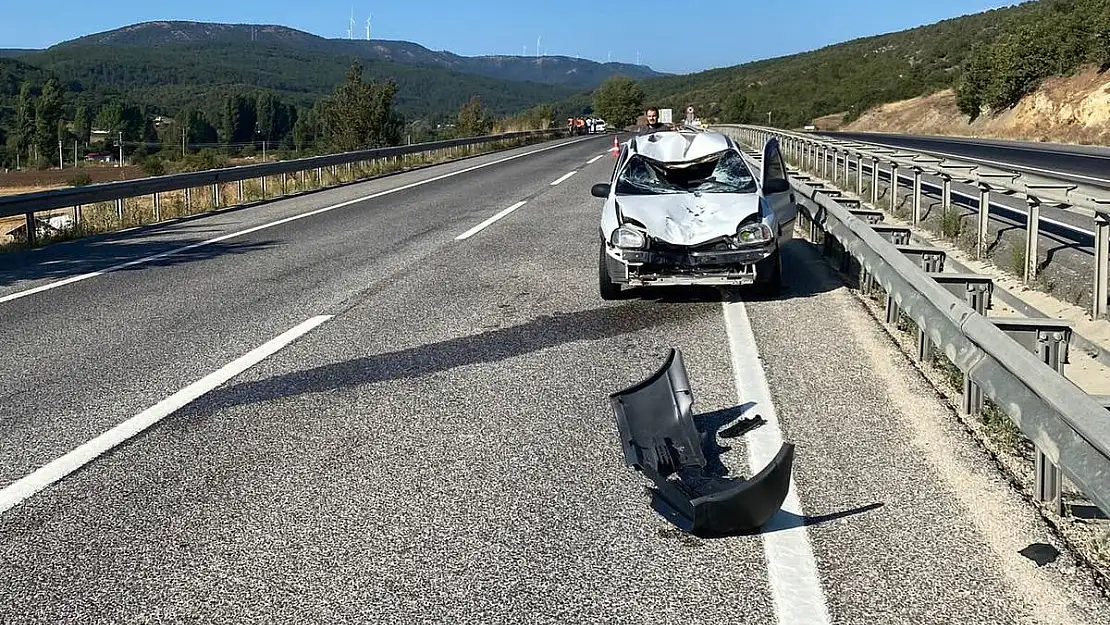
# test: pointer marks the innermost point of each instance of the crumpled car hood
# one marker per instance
(688, 219)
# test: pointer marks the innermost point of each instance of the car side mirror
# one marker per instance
(777, 185)
(600, 190)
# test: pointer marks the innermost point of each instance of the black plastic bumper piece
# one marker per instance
(659, 438)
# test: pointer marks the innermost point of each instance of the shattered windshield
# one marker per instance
(724, 172)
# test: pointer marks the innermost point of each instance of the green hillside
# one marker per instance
(169, 77)
(551, 70)
(992, 59)
(850, 76)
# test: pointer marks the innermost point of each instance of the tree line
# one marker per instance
(358, 114)
(1056, 38)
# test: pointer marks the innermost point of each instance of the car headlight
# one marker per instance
(629, 238)
(753, 234)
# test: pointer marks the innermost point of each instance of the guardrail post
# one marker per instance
(119, 209)
(1048, 487)
(262, 183)
(859, 174)
(30, 221)
(283, 179)
(188, 199)
(157, 201)
(984, 218)
(1049, 339)
(215, 195)
(875, 182)
(847, 174)
(945, 197)
(1102, 265)
(893, 188)
(1032, 237)
(239, 192)
(917, 195)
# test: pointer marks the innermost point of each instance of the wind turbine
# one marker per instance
(368, 26)
(538, 53)
(351, 25)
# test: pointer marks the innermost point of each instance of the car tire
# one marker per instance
(608, 289)
(772, 285)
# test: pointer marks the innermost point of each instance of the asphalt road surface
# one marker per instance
(388, 403)
(1087, 164)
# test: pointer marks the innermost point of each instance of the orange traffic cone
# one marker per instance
(616, 151)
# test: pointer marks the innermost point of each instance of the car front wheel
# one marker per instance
(769, 275)
(609, 290)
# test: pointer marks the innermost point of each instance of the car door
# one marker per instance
(777, 191)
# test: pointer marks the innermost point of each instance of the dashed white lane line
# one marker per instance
(595, 159)
(48, 474)
(482, 226)
(147, 259)
(564, 177)
(791, 567)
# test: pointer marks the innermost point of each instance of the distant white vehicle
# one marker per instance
(684, 208)
(810, 127)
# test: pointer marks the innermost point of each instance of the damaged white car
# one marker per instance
(684, 208)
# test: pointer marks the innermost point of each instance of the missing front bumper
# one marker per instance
(652, 268)
(660, 438)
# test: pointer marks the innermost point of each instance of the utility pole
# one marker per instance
(768, 118)
(183, 142)
(75, 152)
(121, 148)
(61, 159)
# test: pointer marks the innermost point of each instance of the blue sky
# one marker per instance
(702, 36)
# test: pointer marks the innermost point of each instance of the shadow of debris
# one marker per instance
(540, 333)
(731, 423)
(784, 520)
(84, 257)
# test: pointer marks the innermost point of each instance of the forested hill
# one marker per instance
(174, 76)
(1036, 39)
(554, 70)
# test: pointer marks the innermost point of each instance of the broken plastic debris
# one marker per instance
(660, 439)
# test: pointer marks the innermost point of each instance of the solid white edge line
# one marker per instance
(791, 568)
(564, 177)
(595, 159)
(485, 224)
(147, 259)
(20, 490)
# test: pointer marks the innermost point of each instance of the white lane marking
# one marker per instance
(147, 259)
(482, 226)
(595, 159)
(791, 567)
(564, 177)
(48, 474)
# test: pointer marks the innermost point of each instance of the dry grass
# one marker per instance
(137, 211)
(1073, 109)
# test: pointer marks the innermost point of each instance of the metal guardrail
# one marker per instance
(1016, 363)
(827, 156)
(74, 197)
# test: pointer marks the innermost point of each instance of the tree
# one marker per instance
(48, 113)
(24, 133)
(82, 123)
(359, 115)
(619, 101)
(239, 119)
(474, 120)
(738, 109)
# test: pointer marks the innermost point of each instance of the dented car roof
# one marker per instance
(678, 146)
